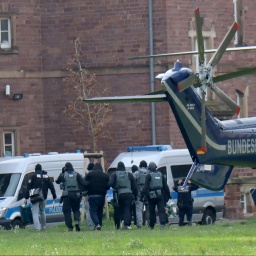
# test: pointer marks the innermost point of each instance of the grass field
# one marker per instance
(223, 238)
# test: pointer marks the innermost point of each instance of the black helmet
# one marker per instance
(120, 166)
(143, 163)
(152, 166)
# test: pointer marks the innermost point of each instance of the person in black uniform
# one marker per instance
(40, 180)
(126, 188)
(134, 169)
(158, 193)
(72, 181)
(185, 201)
(97, 190)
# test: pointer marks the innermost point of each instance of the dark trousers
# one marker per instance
(185, 209)
(159, 202)
(125, 205)
(71, 203)
(133, 213)
(96, 203)
(117, 217)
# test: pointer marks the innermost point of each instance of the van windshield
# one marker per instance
(8, 184)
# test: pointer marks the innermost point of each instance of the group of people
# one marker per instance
(95, 183)
(143, 188)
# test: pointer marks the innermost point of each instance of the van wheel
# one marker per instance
(17, 223)
(208, 217)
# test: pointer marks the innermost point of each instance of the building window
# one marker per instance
(208, 34)
(243, 203)
(8, 141)
(241, 100)
(5, 34)
(196, 63)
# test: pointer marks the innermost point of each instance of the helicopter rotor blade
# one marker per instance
(229, 102)
(199, 33)
(232, 49)
(245, 71)
(194, 79)
(224, 44)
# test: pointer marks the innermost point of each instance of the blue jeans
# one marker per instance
(39, 208)
(96, 208)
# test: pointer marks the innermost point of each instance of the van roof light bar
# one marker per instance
(148, 148)
(53, 153)
(33, 154)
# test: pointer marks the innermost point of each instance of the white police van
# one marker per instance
(14, 175)
(175, 164)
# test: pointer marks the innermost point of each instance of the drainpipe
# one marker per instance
(151, 70)
(235, 19)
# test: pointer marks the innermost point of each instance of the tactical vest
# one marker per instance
(155, 185)
(141, 177)
(71, 183)
(123, 183)
(184, 196)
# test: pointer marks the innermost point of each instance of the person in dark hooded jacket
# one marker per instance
(97, 190)
(72, 182)
(185, 200)
(40, 180)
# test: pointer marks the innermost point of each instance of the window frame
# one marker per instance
(242, 101)
(7, 45)
(12, 144)
(13, 49)
(243, 202)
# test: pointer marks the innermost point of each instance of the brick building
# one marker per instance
(37, 40)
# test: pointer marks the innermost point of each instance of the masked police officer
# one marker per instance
(140, 180)
(158, 193)
(72, 181)
(125, 186)
(185, 200)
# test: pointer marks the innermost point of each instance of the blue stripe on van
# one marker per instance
(10, 211)
(200, 193)
(49, 210)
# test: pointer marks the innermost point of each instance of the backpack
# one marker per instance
(123, 183)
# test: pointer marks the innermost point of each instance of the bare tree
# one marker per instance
(95, 117)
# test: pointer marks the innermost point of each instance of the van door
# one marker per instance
(24, 185)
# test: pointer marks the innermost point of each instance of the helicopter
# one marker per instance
(218, 144)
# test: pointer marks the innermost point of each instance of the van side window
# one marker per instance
(8, 183)
(179, 171)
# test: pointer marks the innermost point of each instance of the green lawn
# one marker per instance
(223, 238)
